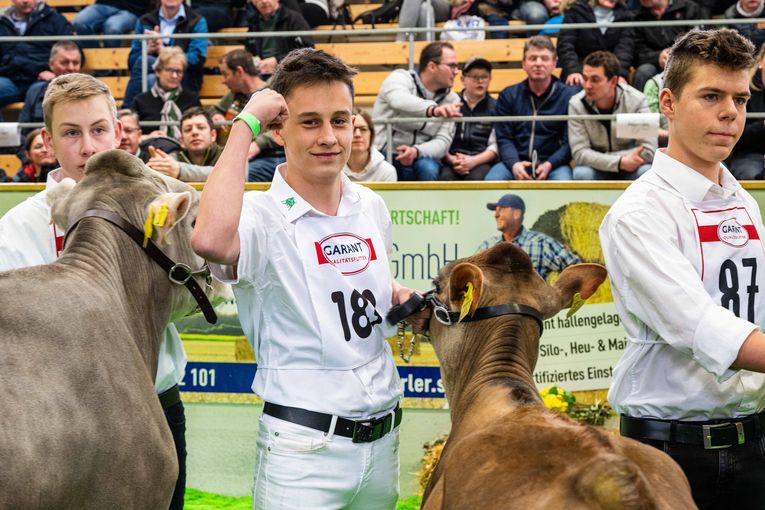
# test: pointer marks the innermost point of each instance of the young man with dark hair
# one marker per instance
(599, 154)
(240, 75)
(683, 246)
(328, 436)
(194, 162)
(425, 93)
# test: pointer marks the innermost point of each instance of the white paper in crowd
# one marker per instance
(637, 125)
(9, 134)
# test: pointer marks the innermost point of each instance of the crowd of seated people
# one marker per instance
(430, 150)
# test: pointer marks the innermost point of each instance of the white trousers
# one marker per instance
(301, 468)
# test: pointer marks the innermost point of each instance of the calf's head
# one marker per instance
(501, 275)
(161, 207)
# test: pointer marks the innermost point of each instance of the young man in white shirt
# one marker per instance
(309, 263)
(683, 246)
(80, 121)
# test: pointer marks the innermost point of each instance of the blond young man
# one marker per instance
(80, 121)
(328, 436)
(683, 246)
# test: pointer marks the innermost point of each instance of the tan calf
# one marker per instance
(505, 449)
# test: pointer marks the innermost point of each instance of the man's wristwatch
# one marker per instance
(251, 120)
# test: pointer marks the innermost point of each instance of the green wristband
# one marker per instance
(251, 121)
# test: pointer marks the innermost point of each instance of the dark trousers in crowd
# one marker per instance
(176, 419)
(721, 477)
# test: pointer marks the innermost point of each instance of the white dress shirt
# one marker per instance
(284, 307)
(681, 340)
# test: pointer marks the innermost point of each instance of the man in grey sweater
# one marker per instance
(426, 93)
(598, 153)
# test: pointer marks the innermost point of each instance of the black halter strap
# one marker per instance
(178, 273)
(417, 301)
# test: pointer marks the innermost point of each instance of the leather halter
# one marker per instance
(419, 301)
(178, 273)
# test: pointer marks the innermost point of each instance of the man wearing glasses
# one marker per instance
(474, 147)
(419, 147)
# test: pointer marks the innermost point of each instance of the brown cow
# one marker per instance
(80, 423)
(506, 450)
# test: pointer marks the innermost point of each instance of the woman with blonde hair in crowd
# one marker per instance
(167, 99)
(366, 162)
(746, 162)
(41, 159)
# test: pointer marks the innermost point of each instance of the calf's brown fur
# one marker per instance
(505, 449)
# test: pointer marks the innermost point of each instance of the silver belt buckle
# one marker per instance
(707, 434)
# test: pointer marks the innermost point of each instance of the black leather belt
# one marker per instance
(709, 434)
(363, 431)
(170, 397)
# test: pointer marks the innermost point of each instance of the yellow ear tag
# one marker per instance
(148, 228)
(466, 302)
(576, 304)
(161, 216)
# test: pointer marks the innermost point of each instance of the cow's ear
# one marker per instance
(583, 279)
(59, 205)
(164, 213)
(465, 285)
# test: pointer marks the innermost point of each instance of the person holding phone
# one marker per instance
(598, 153)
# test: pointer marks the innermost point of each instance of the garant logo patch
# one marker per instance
(348, 252)
(732, 233)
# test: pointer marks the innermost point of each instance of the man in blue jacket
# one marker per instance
(536, 150)
(22, 62)
(172, 17)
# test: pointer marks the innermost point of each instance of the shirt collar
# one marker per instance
(691, 184)
(179, 16)
(293, 206)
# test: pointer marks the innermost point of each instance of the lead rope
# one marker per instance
(400, 337)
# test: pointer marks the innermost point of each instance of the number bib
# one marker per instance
(731, 256)
(349, 281)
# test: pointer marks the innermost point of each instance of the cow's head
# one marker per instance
(162, 208)
(501, 275)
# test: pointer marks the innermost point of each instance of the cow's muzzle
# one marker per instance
(178, 273)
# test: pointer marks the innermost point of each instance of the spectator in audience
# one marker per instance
(474, 147)
(271, 16)
(651, 93)
(315, 12)
(497, 12)
(748, 9)
(575, 45)
(167, 98)
(172, 17)
(555, 10)
(418, 13)
(218, 13)
(546, 153)
(24, 62)
(112, 17)
(598, 153)
(425, 93)
(366, 162)
(240, 75)
(652, 43)
(547, 254)
(65, 57)
(199, 151)
(131, 134)
(746, 161)
(40, 159)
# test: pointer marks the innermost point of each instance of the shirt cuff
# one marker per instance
(718, 339)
